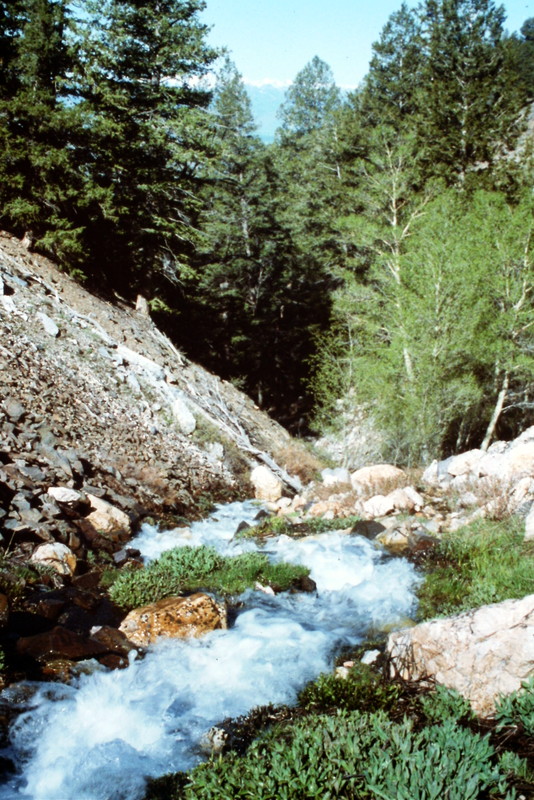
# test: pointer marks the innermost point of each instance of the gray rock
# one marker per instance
(48, 324)
(14, 410)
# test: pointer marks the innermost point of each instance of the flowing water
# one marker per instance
(99, 738)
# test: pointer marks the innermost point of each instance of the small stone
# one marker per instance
(14, 410)
(183, 416)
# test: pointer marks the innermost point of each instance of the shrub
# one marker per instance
(485, 562)
(517, 708)
(362, 689)
(442, 704)
(276, 526)
(187, 568)
(353, 755)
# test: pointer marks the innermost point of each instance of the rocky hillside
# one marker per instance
(93, 397)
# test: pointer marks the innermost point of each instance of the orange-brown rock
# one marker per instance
(174, 617)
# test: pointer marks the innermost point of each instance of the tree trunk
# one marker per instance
(496, 412)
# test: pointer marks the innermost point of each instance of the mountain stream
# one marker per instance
(101, 736)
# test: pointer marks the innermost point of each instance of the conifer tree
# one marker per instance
(468, 109)
(141, 63)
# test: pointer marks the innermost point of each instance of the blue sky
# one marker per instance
(271, 40)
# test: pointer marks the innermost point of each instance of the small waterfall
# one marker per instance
(99, 738)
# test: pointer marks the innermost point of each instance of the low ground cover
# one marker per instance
(485, 562)
(188, 568)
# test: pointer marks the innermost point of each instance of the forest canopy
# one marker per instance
(375, 259)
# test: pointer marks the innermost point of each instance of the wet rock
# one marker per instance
(174, 617)
(56, 555)
(482, 654)
(368, 528)
(4, 610)
(267, 486)
(112, 639)
(59, 643)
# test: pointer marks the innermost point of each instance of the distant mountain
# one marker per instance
(266, 101)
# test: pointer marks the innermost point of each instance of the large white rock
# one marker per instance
(266, 485)
(378, 506)
(482, 654)
(406, 499)
(56, 555)
(464, 463)
(375, 476)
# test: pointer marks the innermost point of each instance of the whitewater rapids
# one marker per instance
(101, 737)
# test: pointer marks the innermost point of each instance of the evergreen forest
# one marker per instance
(375, 260)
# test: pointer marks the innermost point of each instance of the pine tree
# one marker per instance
(468, 110)
(141, 63)
(40, 182)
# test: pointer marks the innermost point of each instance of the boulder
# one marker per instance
(48, 324)
(373, 476)
(266, 485)
(107, 519)
(464, 463)
(482, 653)
(59, 643)
(378, 506)
(173, 617)
(406, 499)
(56, 555)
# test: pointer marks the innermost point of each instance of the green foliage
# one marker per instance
(485, 562)
(278, 526)
(187, 568)
(353, 755)
(421, 347)
(362, 689)
(3, 660)
(445, 704)
(517, 708)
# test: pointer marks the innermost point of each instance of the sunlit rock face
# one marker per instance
(174, 617)
(482, 654)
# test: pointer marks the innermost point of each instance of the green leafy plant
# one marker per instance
(363, 689)
(442, 704)
(517, 708)
(351, 755)
(186, 568)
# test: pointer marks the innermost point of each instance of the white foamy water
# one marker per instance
(100, 738)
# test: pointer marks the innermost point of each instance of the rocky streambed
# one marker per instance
(101, 735)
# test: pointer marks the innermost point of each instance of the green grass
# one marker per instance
(485, 562)
(276, 526)
(188, 568)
